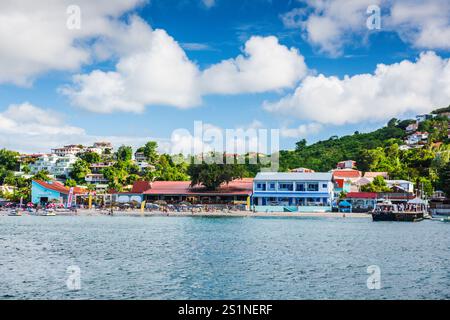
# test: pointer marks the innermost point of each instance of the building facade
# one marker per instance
(67, 150)
(43, 192)
(308, 192)
(347, 164)
(54, 164)
(402, 185)
(362, 201)
(235, 192)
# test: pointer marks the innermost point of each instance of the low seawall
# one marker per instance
(300, 209)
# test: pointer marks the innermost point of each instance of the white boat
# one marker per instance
(387, 211)
(15, 213)
(48, 214)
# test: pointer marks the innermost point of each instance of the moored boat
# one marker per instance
(48, 213)
(15, 213)
(387, 211)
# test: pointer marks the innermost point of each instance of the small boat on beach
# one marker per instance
(387, 211)
(15, 213)
(48, 213)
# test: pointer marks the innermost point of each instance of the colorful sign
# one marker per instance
(70, 197)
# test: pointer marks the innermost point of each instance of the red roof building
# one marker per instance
(45, 192)
(236, 187)
(346, 174)
(177, 191)
(59, 187)
(361, 195)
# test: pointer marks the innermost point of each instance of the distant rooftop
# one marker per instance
(300, 176)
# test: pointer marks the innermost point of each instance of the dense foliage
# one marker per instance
(323, 155)
(380, 151)
(212, 175)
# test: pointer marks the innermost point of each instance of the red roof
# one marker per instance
(57, 186)
(361, 195)
(236, 187)
(141, 186)
(349, 173)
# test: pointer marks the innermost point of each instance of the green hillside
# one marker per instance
(380, 151)
(323, 155)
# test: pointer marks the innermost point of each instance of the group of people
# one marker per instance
(409, 207)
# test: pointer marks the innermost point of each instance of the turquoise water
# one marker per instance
(222, 258)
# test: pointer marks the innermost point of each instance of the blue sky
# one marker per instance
(138, 70)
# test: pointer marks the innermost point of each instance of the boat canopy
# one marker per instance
(417, 201)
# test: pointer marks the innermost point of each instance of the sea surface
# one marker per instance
(222, 258)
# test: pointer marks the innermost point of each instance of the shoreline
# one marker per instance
(233, 214)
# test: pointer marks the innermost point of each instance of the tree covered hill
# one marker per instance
(324, 155)
(426, 164)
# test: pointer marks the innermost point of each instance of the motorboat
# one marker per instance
(15, 213)
(387, 211)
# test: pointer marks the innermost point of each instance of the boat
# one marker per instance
(387, 211)
(48, 213)
(15, 213)
(446, 219)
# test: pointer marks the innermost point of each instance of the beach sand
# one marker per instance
(137, 213)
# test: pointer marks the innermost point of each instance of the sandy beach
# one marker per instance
(246, 214)
(137, 213)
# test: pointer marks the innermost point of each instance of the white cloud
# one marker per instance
(301, 131)
(265, 66)
(330, 25)
(27, 128)
(158, 72)
(151, 68)
(34, 37)
(155, 72)
(391, 91)
(425, 24)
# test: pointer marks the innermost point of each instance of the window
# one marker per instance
(324, 186)
(300, 187)
(271, 186)
(282, 186)
(313, 186)
(261, 186)
(284, 201)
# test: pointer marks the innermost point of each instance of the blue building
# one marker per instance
(302, 192)
(43, 192)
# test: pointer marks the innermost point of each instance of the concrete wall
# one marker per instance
(299, 209)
